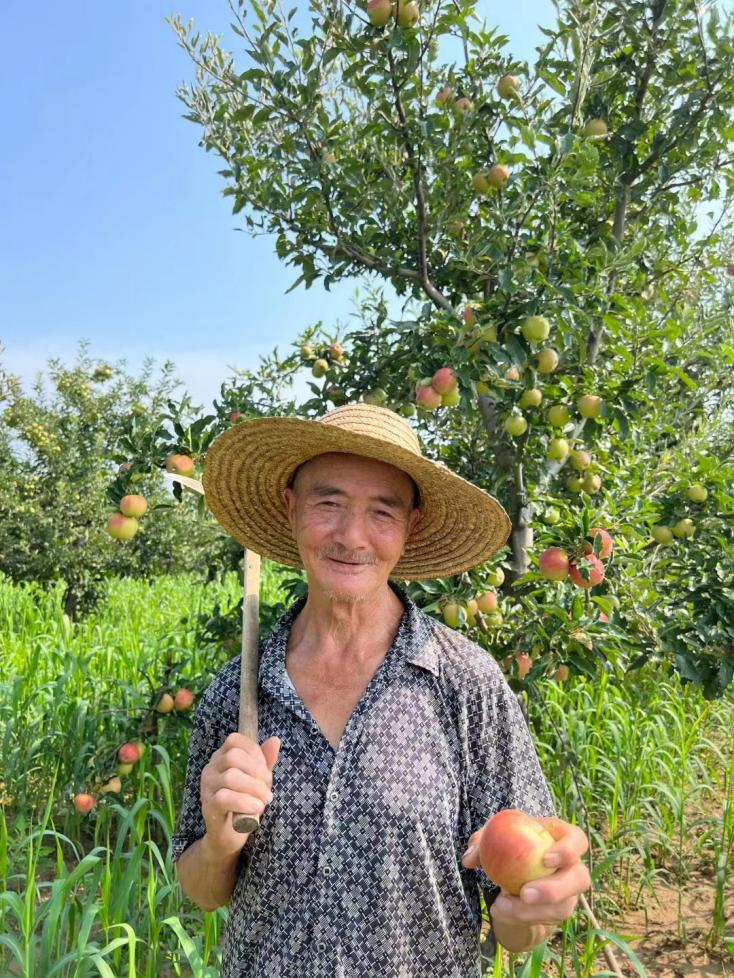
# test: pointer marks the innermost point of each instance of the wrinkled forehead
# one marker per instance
(335, 464)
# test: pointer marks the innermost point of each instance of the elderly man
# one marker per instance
(387, 739)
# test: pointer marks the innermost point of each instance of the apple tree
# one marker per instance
(547, 254)
(57, 486)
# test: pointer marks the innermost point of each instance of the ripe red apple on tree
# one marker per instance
(524, 664)
(133, 505)
(511, 849)
(591, 483)
(443, 95)
(553, 563)
(471, 607)
(180, 464)
(122, 527)
(444, 380)
(487, 602)
(379, 12)
(462, 105)
(426, 397)
(579, 459)
(508, 86)
(336, 352)
(587, 572)
(607, 542)
(128, 753)
(183, 700)
(497, 176)
(84, 802)
(562, 673)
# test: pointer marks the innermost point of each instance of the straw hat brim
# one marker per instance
(249, 465)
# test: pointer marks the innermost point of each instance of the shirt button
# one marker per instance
(321, 947)
(334, 796)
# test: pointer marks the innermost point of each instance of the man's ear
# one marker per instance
(288, 498)
(415, 517)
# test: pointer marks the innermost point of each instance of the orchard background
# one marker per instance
(547, 256)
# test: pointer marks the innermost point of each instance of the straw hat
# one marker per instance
(248, 466)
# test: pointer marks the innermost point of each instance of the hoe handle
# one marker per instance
(249, 663)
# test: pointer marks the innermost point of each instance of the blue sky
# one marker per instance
(113, 225)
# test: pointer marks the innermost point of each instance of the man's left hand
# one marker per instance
(548, 901)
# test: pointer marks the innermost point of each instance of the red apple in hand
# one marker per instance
(511, 849)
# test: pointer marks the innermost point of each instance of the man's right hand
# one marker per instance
(238, 778)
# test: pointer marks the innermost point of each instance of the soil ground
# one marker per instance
(657, 943)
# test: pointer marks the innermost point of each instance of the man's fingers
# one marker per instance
(243, 759)
(224, 800)
(564, 883)
(470, 859)
(570, 843)
(513, 910)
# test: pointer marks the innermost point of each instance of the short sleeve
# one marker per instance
(203, 742)
(503, 768)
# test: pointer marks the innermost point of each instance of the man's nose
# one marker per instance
(351, 530)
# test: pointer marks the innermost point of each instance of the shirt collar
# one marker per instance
(414, 642)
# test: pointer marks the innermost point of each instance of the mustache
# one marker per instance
(347, 558)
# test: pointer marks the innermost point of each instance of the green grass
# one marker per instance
(647, 769)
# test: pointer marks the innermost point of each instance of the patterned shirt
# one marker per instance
(355, 869)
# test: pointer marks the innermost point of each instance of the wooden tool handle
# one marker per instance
(249, 663)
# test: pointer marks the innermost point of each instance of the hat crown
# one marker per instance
(377, 422)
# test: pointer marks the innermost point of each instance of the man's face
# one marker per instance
(350, 517)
